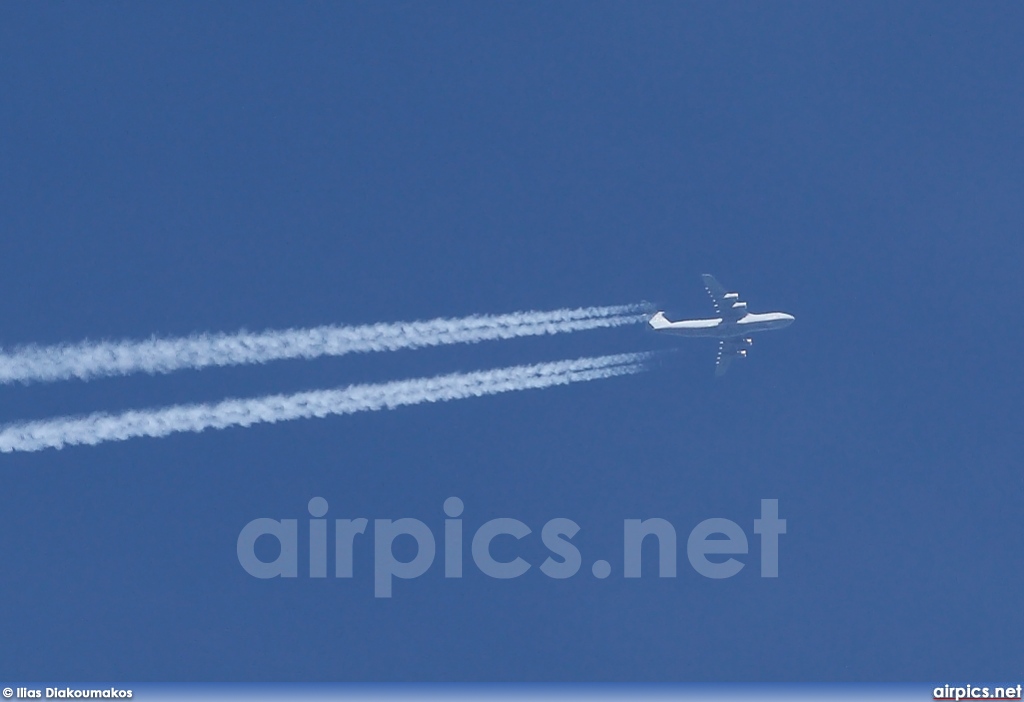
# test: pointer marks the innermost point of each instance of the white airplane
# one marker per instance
(732, 327)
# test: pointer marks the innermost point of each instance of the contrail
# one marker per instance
(89, 360)
(100, 427)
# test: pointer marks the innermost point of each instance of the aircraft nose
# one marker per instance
(788, 318)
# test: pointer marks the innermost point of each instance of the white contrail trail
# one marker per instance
(100, 427)
(89, 360)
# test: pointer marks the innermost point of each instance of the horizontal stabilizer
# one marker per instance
(659, 321)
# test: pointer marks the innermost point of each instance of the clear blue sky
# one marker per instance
(169, 168)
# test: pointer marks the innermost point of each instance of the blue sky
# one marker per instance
(170, 169)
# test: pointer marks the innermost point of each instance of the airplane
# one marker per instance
(732, 327)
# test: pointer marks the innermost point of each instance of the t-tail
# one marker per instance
(659, 321)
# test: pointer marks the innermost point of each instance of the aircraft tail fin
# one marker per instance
(659, 321)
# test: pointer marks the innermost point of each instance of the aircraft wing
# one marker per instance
(727, 350)
(728, 305)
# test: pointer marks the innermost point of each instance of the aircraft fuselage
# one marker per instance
(718, 328)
